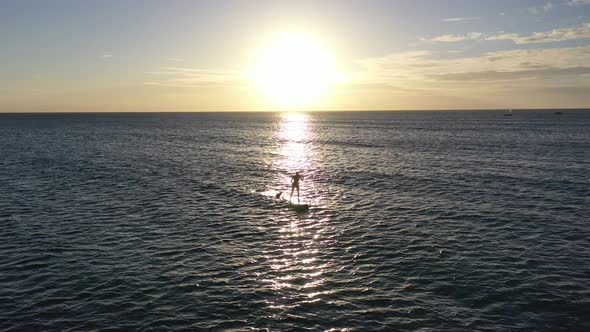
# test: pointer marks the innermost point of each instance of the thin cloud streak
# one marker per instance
(494, 75)
(461, 19)
(452, 38)
(574, 3)
(193, 77)
(556, 35)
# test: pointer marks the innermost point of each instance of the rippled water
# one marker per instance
(430, 221)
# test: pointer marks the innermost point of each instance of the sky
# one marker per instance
(175, 55)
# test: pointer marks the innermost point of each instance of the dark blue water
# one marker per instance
(428, 221)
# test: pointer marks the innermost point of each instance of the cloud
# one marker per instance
(196, 77)
(513, 78)
(461, 19)
(570, 90)
(548, 6)
(578, 2)
(418, 69)
(556, 35)
(494, 75)
(452, 38)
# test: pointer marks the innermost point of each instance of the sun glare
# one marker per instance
(294, 71)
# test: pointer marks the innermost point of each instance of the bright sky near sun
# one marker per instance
(173, 55)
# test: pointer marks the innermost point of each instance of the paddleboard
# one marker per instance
(296, 207)
(299, 207)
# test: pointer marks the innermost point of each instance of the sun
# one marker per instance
(294, 71)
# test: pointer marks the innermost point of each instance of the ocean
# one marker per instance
(419, 221)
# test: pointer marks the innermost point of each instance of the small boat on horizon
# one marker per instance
(509, 113)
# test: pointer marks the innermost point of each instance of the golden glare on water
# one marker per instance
(296, 135)
(296, 265)
(294, 71)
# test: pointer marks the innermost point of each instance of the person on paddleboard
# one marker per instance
(295, 185)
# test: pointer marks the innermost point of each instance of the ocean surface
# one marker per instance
(419, 221)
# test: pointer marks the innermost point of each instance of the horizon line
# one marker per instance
(305, 111)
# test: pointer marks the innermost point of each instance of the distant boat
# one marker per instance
(509, 113)
(558, 113)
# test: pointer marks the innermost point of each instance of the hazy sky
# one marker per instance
(145, 55)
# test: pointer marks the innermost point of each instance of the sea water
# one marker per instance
(424, 221)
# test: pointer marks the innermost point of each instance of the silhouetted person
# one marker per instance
(295, 184)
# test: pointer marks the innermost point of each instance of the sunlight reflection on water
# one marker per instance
(297, 265)
(296, 153)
